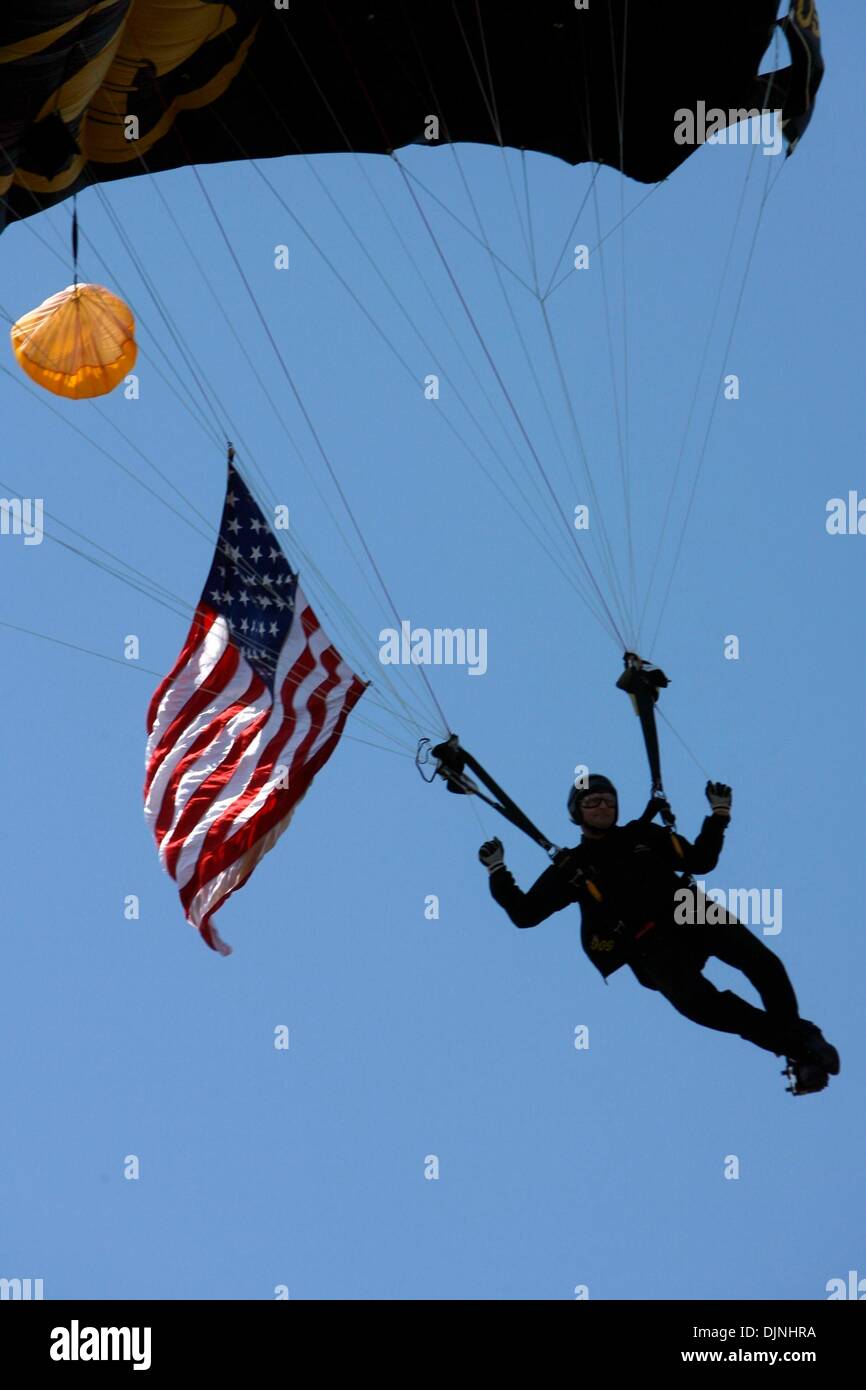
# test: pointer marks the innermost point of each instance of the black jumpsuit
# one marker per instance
(625, 884)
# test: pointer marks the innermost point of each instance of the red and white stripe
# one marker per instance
(227, 764)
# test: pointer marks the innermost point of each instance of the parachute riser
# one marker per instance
(642, 682)
(451, 762)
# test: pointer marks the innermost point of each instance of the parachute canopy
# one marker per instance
(90, 93)
(79, 343)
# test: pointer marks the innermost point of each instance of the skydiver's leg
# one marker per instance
(737, 946)
(678, 977)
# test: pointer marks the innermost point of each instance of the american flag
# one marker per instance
(252, 709)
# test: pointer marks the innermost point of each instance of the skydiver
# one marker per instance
(624, 878)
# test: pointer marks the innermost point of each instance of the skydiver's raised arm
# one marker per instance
(703, 856)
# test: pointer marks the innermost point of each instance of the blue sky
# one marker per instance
(409, 1037)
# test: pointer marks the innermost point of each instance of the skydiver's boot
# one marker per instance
(811, 1061)
(805, 1078)
(810, 1047)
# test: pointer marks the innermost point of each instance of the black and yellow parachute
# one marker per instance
(91, 92)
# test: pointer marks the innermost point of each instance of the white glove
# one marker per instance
(492, 855)
(719, 796)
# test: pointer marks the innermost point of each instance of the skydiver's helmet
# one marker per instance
(595, 783)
